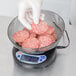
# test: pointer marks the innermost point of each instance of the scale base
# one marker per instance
(51, 56)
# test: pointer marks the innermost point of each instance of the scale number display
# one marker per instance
(30, 59)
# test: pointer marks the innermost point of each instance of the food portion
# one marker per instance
(31, 43)
(39, 28)
(41, 35)
(32, 34)
(21, 36)
(46, 40)
(50, 30)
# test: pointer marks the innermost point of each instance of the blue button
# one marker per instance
(40, 59)
(18, 55)
(43, 57)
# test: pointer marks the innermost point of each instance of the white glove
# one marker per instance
(28, 10)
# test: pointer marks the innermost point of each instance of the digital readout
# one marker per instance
(29, 58)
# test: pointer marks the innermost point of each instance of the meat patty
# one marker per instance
(20, 36)
(31, 43)
(40, 28)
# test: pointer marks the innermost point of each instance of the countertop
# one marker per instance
(64, 65)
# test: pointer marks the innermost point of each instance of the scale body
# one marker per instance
(32, 60)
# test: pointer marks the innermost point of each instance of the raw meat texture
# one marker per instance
(40, 28)
(20, 43)
(52, 36)
(25, 29)
(41, 35)
(45, 34)
(31, 43)
(46, 40)
(32, 34)
(50, 30)
(55, 36)
(20, 36)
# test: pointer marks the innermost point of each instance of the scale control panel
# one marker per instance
(30, 59)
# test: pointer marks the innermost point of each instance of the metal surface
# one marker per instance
(52, 19)
(64, 65)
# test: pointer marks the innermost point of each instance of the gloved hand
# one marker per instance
(29, 10)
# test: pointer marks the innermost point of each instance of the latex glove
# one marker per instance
(24, 12)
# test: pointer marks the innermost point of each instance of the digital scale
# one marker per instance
(34, 61)
(38, 57)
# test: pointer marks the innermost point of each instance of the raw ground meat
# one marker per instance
(50, 30)
(46, 40)
(45, 34)
(20, 36)
(31, 43)
(25, 29)
(55, 36)
(32, 34)
(41, 35)
(40, 28)
(20, 43)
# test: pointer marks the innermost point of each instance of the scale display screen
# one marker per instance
(29, 58)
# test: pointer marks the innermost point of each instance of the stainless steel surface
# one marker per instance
(65, 64)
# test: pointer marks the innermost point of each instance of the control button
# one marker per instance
(40, 59)
(43, 57)
(18, 55)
